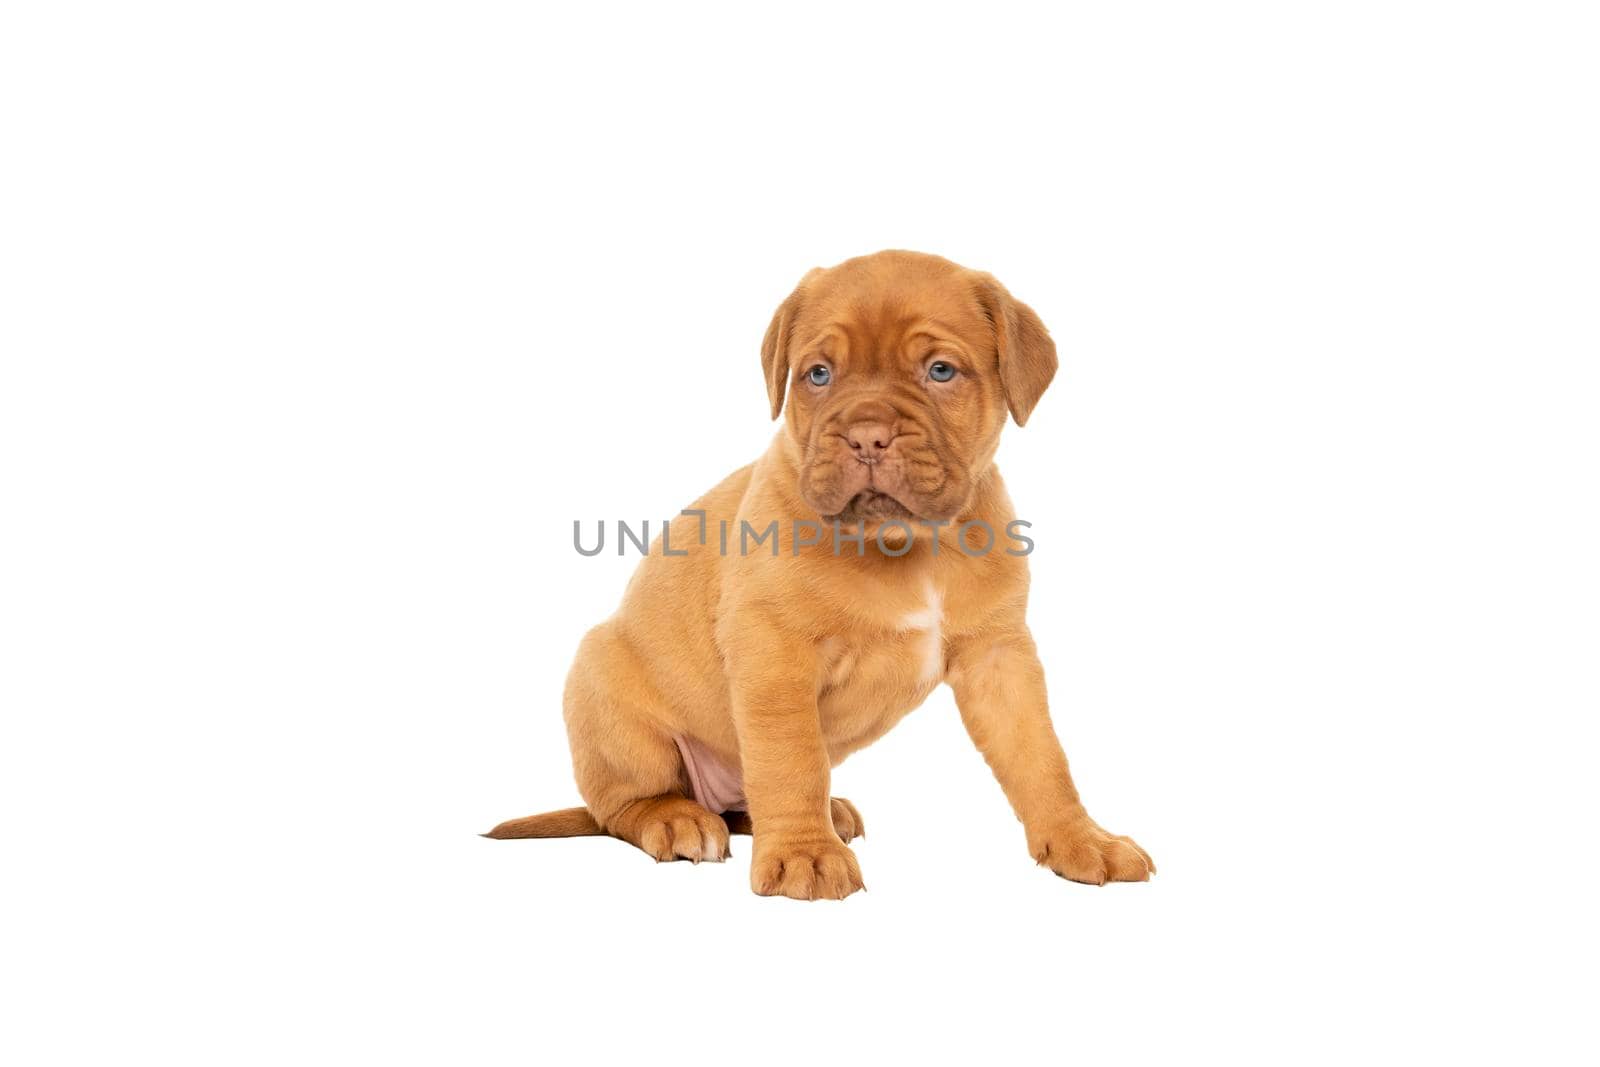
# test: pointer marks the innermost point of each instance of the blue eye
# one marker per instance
(819, 375)
(941, 371)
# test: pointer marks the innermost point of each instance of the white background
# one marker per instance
(321, 323)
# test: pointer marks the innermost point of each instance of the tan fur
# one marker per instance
(782, 666)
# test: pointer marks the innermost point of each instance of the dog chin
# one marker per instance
(871, 506)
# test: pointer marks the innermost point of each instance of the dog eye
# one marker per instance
(819, 375)
(941, 371)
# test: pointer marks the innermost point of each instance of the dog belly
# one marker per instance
(717, 787)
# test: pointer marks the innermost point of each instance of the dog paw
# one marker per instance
(1081, 851)
(673, 829)
(805, 870)
(847, 821)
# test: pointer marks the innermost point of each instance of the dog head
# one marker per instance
(899, 368)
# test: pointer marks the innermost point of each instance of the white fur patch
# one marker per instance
(929, 621)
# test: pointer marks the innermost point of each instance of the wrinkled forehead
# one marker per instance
(860, 315)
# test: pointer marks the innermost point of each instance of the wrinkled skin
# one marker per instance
(867, 325)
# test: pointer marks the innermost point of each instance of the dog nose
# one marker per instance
(869, 440)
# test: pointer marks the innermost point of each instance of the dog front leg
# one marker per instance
(773, 678)
(999, 687)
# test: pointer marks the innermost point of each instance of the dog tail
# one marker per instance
(568, 822)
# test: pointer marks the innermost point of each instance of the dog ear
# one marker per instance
(775, 345)
(1027, 355)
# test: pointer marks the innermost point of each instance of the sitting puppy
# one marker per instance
(730, 682)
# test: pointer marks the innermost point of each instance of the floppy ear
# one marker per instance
(1027, 355)
(775, 346)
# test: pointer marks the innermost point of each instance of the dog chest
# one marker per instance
(870, 679)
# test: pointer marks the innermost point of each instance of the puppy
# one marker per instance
(732, 679)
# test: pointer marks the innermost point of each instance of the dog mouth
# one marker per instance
(871, 505)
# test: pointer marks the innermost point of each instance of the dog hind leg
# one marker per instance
(628, 768)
